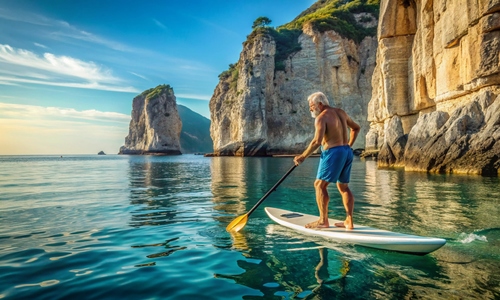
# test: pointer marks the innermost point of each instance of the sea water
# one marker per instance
(153, 227)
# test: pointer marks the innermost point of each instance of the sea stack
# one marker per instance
(155, 127)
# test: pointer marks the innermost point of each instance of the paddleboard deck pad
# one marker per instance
(360, 235)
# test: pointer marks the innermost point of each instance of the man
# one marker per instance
(336, 157)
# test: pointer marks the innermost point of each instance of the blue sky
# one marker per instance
(70, 69)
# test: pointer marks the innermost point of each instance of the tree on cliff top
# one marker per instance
(261, 22)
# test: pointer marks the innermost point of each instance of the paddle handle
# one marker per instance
(271, 190)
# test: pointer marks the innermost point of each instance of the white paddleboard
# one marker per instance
(360, 235)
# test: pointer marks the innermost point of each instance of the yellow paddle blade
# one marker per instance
(238, 223)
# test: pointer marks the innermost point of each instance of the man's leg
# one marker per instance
(348, 200)
(322, 199)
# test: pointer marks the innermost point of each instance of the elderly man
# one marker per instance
(331, 134)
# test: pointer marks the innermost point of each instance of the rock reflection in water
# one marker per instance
(162, 189)
(238, 183)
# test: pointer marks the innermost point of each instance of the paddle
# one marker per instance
(240, 222)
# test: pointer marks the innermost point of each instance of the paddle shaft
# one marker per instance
(270, 191)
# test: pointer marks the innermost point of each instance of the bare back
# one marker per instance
(336, 123)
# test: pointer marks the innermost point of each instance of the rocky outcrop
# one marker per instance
(259, 110)
(155, 127)
(436, 86)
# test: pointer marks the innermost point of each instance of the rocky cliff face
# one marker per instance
(435, 104)
(155, 127)
(262, 111)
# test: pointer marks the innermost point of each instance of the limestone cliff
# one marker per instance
(435, 104)
(155, 127)
(260, 105)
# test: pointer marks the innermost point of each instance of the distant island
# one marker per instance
(101, 153)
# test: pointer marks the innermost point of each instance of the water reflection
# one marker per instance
(464, 210)
(229, 184)
(237, 183)
(425, 204)
(166, 190)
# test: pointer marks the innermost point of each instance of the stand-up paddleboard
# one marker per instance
(360, 235)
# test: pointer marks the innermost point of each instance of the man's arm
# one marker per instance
(319, 133)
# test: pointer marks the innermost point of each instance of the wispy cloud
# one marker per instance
(25, 17)
(160, 24)
(55, 130)
(23, 66)
(22, 111)
(40, 45)
(60, 28)
(138, 75)
(59, 137)
(194, 96)
(77, 34)
(60, 31)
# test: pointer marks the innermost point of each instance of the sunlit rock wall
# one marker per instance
(436, 86)
(155, 127)
(265, 112)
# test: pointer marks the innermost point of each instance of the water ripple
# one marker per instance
(154, 227)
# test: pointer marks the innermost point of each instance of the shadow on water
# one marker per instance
(319, 272)
(277, 277)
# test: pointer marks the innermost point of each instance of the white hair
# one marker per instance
(317, 98)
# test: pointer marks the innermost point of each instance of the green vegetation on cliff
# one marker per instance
(286, 41)
(338, 15)
(231, 74)
(155, 92)
(324, 15)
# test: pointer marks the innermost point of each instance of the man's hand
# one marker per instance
(298, 159)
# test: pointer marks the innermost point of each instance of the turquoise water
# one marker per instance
(143, 227)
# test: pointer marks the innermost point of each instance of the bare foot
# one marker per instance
(339, 224)
(346, 224)
(317, 224)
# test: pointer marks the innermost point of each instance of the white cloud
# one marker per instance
(25, 17)
(31, 129)
(77, 34)
(60, 28)
(23, 66)
(160, 24)
(194, 96)
(55, 64)
(138, 75)
(22, 111)
(40, 45)
(31, 137)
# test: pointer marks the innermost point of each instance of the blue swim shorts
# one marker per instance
(335, 164)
